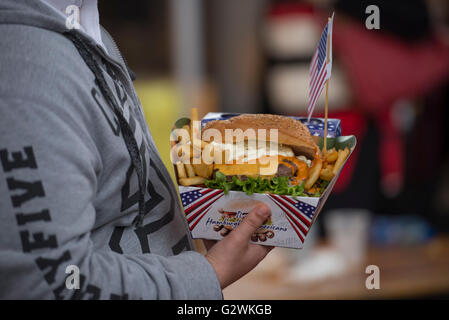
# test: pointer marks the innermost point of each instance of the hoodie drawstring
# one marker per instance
(128, 135)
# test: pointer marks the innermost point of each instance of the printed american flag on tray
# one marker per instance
(320, 70)
(197, 202)
(298, 213)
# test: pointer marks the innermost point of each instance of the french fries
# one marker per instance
(194, 114)
(333, 162)
(331, 156)
(219, 155)
(207, 154)
(189, 169)
(203, 170)
(194, 125)
(204, 144)
(186, 127)
(326, 173)
(181, 170)
(314, 173)
(192, 170)
(184, 138)
(342, 155)
(191, 181)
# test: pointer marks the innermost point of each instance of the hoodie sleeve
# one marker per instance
(49, 166)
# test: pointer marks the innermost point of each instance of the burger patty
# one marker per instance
(282, 171)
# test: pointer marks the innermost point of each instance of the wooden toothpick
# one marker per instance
(327, 97)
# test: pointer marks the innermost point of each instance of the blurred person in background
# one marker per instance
(82, 186)
(388, 87)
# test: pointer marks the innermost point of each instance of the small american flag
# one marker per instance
(320, 71)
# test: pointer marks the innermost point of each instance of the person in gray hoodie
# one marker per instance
(87, 208)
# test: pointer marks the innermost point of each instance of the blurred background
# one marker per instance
(389, 87)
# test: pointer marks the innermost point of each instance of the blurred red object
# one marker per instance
(290, 9)
(382, 69)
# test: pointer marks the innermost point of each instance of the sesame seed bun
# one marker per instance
(291, 132)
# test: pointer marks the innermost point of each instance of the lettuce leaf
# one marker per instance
(276, 185)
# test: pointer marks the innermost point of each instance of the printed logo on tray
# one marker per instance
(229, 215)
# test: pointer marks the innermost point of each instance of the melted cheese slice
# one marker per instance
(251, 151)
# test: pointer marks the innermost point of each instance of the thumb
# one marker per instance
(255, 218)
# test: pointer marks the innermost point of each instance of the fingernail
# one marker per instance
(263, 211)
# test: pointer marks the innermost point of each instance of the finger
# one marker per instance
(255, 218)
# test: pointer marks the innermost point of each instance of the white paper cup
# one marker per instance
(348, 231)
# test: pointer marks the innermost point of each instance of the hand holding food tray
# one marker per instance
(233, 162)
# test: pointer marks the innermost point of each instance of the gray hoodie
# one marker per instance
(81, 183)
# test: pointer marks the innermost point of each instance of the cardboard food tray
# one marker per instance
(211, 214)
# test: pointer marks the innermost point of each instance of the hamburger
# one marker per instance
(277, 163)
